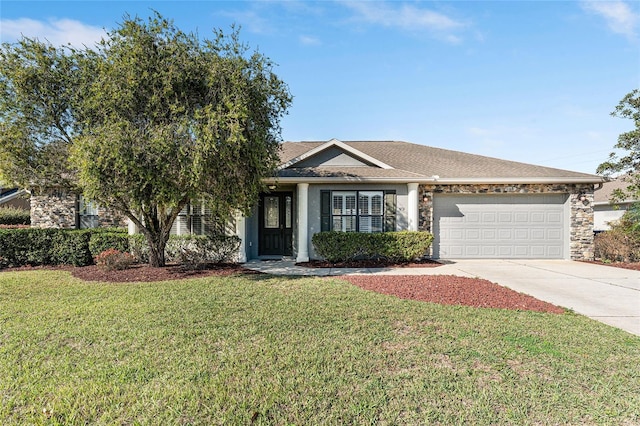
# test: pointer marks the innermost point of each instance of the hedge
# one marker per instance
(14, 216)
(101, 241)
(400, 246)
(36, 246)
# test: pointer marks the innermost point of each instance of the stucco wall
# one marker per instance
(314, 205)
(580, 210)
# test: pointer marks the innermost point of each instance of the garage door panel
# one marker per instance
(537, 217)
(537, 234)
(497, 226)
(489, 234)
(505, 234)
(554, 235)
(520, 217)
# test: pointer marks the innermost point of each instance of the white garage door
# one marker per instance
(500, 226)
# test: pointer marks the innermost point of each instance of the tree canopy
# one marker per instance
(156, 118)
(37, 120)
(627, 164)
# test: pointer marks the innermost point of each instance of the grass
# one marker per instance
(297, 351)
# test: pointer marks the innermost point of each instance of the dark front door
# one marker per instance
(276, 224)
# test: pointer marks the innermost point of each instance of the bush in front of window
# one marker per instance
(14, 216)
(192, 251)
(198, 251)
(399, 246)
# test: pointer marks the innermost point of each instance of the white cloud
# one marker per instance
(309, 41)
(407, 17)
(619, 16)
(57, 31)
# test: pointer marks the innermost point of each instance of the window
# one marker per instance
(87, 213)
(195, 218)
(358, 211)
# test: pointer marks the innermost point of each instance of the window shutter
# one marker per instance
(390, 211)
(325, 211)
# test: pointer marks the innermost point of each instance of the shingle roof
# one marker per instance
(602, 195)
(411, 161)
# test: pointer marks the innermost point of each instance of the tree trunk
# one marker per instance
(157, 245)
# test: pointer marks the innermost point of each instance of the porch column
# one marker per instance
(131, 227)
(412, 207)
(241, 231)
(303, 225)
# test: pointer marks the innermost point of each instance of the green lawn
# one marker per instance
(303, 351)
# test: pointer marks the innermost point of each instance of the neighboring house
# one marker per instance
(475, 206)
(605, 211)
(14, 197)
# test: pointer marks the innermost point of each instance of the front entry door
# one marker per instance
(276, 224)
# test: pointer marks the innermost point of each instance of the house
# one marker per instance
(475, 206)
(14, 197)
(604, 210)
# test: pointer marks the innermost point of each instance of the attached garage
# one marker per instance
(521, 226)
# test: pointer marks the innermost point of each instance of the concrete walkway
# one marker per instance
(604, 293)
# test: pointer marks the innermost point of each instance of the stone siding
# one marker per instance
(580, 200)
(58, 209)
(55, 209)
(108, 218)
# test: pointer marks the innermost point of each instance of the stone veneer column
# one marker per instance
(412, 206)
(303, 222)
(54, 209)
(581, 217)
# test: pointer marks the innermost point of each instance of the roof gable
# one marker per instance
(333, 153)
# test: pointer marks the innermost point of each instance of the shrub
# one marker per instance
(34, 246)
(196, 251)
(71, 247)
(622, 242)
(113, 259)
(14, 216)
(139, 247)
(101, 241)
(392, 246)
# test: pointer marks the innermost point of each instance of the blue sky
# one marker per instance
(525, 81)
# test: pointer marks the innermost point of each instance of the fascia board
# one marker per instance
(431, 180)
(12, 196)
(616, 203)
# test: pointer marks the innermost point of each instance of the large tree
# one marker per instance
(164, 118)
(628, 164)
(37, 124)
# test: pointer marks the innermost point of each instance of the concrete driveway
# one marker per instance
(604, 293)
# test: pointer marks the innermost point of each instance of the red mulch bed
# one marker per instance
(424, 263)
(451, 290)
(143, 273)
(148, 273)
